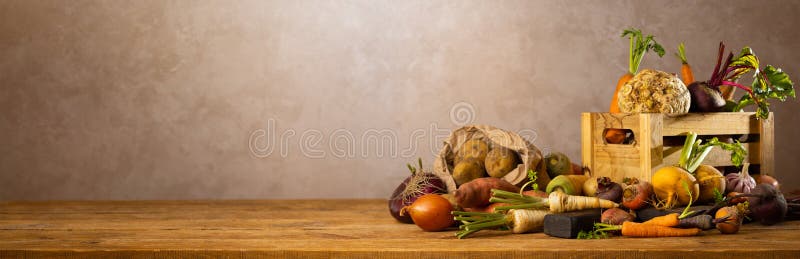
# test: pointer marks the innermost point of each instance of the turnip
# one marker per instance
(668, 181)
(711, 182)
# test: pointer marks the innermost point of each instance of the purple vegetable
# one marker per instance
(413, 187)
(705, 98)
(608, 190)
(766, 204)
(740, 182)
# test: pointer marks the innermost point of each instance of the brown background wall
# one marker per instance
(162, 99)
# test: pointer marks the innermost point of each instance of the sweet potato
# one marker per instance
(476, 193)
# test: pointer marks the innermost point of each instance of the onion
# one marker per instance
(416, 185)
(740, 182)
(762, 178)
(430, 212)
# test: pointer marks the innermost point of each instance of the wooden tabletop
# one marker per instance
(321, 229)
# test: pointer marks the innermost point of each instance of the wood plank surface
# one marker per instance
(321, 229)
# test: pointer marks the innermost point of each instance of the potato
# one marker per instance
(500, 161)
(467, 170)
(473, 148)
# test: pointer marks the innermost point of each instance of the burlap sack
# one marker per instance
(530, 156)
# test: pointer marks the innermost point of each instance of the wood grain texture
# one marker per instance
(319, 229)
(649, 151)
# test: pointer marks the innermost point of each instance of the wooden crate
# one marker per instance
(657, 141)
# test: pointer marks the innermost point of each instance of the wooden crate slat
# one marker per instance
(711, 124)
(767, 151)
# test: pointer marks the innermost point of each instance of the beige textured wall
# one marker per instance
(161, 99)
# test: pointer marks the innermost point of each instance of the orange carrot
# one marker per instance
(686, 70)
(639, 45)
(614, 99)
(669, 220)
(633, 229)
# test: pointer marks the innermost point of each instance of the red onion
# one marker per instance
(740, 182)
(416, 185)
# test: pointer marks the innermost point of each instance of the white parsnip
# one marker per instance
(526, 221)
(556, 202)
(560, 202)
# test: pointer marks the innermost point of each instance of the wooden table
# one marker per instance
(320, 228)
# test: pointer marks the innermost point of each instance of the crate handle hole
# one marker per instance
(618, 136)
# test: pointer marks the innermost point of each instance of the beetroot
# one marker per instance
(413, 187)
(766, 204)
(705, 98)
(615, 216)
(608, 190)
(636, 195)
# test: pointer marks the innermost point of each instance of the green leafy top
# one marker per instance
(694, 151)
(640, 44)
(768, 83)
(532, 181)
(682, 53)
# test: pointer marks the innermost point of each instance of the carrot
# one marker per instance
(638, 46)
(476, 193)
(633, 229)
(669, 220)
(556, 202)
(518, 221)
(703, 221)
(614, 108)
(686, 70)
